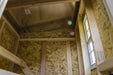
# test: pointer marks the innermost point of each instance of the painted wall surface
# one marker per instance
(105, 28)
(7, 40)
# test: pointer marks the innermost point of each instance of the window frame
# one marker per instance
(108, 11)
(88, 40)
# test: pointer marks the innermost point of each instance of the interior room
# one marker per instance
(56, 37)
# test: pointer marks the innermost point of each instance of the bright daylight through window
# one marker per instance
(89, 41)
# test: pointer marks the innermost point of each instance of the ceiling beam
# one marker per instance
(25, 4)
(48, 39)
(9, 25)
(77, 6)
(10, 20)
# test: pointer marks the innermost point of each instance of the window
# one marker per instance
(109, 7)
(89, 42)
(2, 6)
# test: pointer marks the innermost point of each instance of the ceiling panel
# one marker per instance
(40, 14)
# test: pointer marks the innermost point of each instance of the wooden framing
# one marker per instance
(98, 47)
(69, 60)
(26, 70)
(1, 28)
(86, 63)
(87, 70)
(84, 66)
(99, 51)
(10, 27)
(36, 3)
(43, 59)
(106, 66)
(8, 55)
(15, 48)
(5, 22)
(48, 39)
(79, 51)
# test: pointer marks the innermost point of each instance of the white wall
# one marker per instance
(3, 72)
(2, 6)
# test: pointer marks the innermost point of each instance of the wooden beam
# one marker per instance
(12, 21)
(2, 27)
(86, 63)
(78, 42)
(77, 6)
(8, 55)
(15, 48)
(79, 52)
(69, 60)
(26, 70)
(87, 69)
(106, 65)
(35, 3)
(15, 44)
(10, 27)
(81, 9)
(43, 59)
(48, 39)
